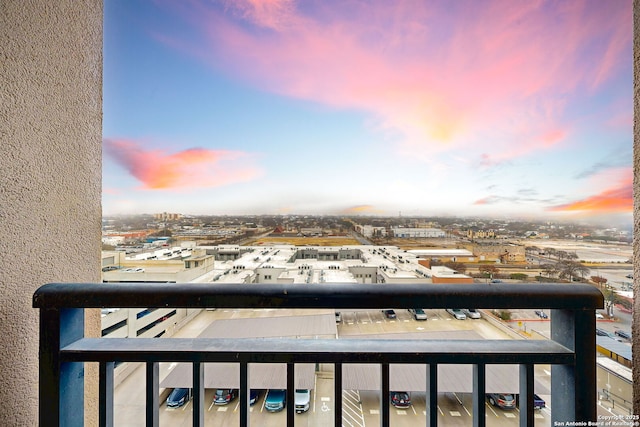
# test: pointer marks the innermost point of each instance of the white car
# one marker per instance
(457, 313)
(472, 313)
(302, 399)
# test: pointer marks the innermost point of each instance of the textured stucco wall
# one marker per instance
(636, 207)
(50, 175)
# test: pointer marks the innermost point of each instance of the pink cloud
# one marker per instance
(192, 168)
(486, 201)
(616, 199)
(442, 74)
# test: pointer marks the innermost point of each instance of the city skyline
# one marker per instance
(374, 108)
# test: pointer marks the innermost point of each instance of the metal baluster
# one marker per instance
(153, 385)
(106, 394)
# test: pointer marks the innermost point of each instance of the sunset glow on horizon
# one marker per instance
(368, 107)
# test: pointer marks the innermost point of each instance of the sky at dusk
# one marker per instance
(425, 107)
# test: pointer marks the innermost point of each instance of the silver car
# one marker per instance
(472, 313)
(457, 313)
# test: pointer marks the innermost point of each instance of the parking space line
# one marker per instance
(352, 408)
(457, 398)
(491, 409)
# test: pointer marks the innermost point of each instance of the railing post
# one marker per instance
(479, 386)
(563, 380)
(198, 394)
(61, 385)
(432, 395)
(384, 395)
(291, 394)
(585, 348)
(526, 396)
(573, 387)
(337, 392)
(245, 394)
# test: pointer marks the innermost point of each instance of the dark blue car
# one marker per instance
(178, 397)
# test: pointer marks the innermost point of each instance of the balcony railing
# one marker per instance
(63, 348)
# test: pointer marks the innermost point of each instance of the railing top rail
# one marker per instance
(326, 295)
(284, 350)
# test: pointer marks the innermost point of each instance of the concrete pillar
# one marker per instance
(50, 177)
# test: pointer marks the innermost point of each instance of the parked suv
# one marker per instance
(502, 400)
(275, 400)
(302, 398)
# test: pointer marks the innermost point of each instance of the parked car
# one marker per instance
(389, 314)
(538, 402)
(457, 313)
(224, 396)
(302, 399)
(541, 314)
(599, 315)
(602, 332)
(418, 313)
(254, 395)
(502, 400)
(496, 281)
(178, 397)
(400, 399)
(109, 268)
(472, 313)
(276, 400)
(623, 334)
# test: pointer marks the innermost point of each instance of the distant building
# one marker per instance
(443, 255)
(164, 216)
(442, 274)
(503, 253)
(371, 231)
(480, 234)
(412, 233)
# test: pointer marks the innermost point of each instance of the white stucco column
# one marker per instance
(50, 177)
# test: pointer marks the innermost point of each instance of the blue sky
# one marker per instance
(373, 108)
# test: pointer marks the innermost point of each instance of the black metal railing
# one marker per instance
(63, 348)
